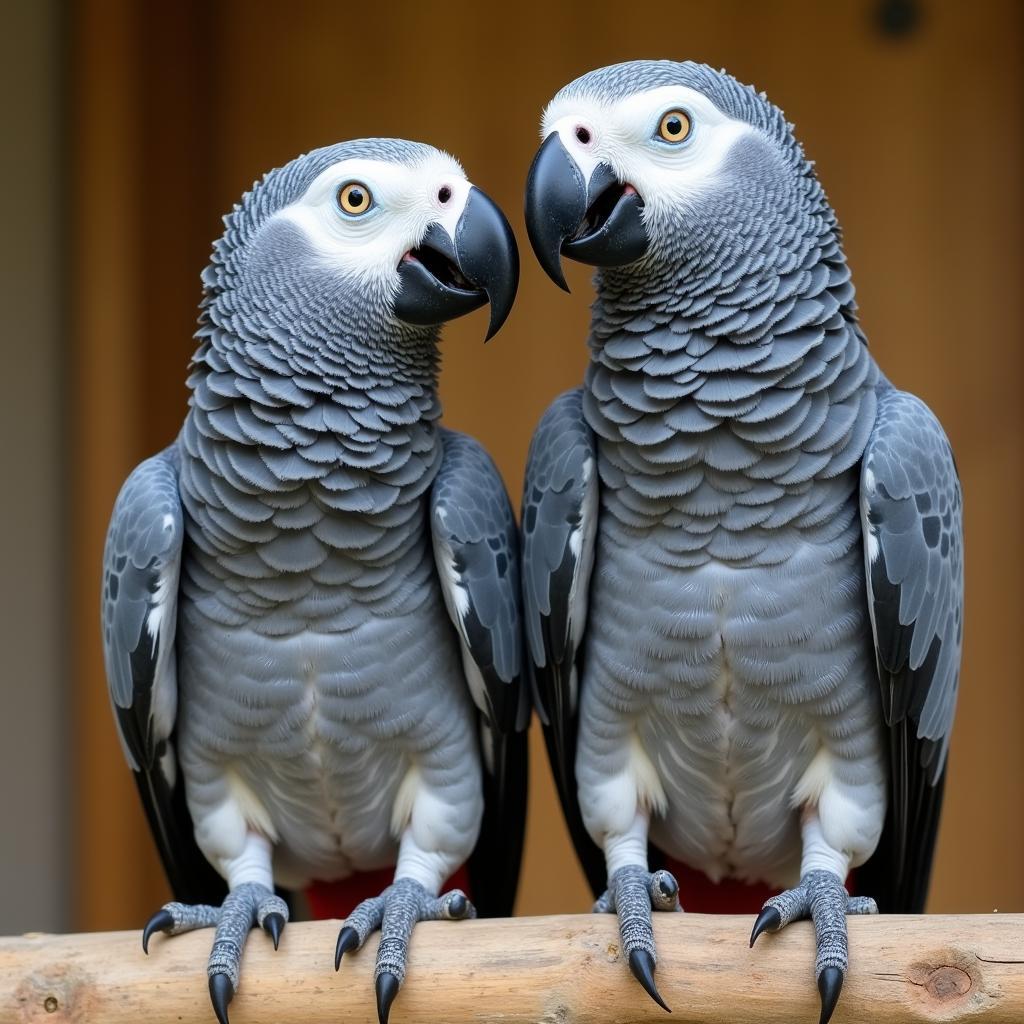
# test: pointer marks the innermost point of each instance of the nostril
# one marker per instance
(444, 194)
(583, 135)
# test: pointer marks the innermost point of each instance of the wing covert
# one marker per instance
(477, 553)
(141, 562)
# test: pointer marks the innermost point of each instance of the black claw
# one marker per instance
(457, 905)
(387, 988)
(348, 939)
(641, 963)
(157, 923)
(668, 885)
(830, 984)
(221, 993)
(769, 920)
(273, 925)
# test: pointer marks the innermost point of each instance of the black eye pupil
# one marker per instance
(356, 197)
(674, 126)
(583, 135)
(445, 194)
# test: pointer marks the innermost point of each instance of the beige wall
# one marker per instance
(33, 687)
(918, 141)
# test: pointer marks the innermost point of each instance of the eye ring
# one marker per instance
(355, 199)
(675, 127)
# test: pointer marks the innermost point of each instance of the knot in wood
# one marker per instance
(947, 982)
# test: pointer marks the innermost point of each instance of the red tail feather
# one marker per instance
(699, 895)
(338, 899)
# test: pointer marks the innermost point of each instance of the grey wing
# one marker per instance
(141, 564)
(912, 522)
(476, 549)
(559, 527)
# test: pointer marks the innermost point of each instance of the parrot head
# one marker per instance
(650, 163)
(372, 235)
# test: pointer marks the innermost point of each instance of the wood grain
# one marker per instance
(554, 970)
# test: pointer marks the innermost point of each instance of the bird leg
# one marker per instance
(822, 897)
(632, 893)
(424, 862)
(395, 912)
(248, 904)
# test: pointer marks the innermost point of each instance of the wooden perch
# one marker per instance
(551, 970)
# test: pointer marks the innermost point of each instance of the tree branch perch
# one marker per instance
(552, 970)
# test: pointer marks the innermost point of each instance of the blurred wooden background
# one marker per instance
(176, 108)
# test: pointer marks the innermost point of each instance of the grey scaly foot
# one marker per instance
(632, 894)
(395, 911)
(821, 897)
(245, 907)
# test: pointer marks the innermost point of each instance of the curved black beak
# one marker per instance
(444, 277)
(597, 222)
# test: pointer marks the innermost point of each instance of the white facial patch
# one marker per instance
(406, 200)
(624, 135)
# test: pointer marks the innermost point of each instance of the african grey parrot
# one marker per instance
(742, 546)
(311, 598)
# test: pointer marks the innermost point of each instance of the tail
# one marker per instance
(339, 899)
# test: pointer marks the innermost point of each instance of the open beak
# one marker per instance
(445, 277)
(597, 221)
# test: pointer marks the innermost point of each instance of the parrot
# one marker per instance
(310, 600)
(742, 546)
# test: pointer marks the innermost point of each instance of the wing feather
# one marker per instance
(141, 564)
(476, 549)
(559, 527)
(912, 521)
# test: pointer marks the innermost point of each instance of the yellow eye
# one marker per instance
(675, 126)
(354, 198)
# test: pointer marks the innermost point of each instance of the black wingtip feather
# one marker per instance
(560, 742)
(189, 873)
(496, 860)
